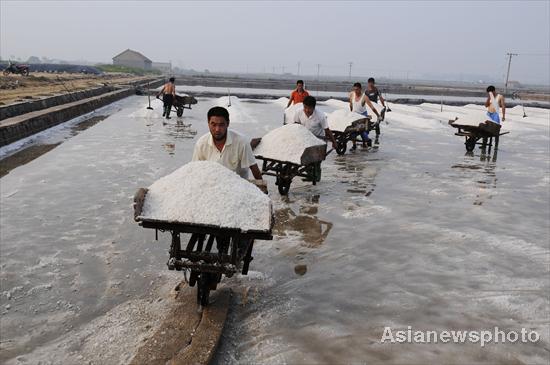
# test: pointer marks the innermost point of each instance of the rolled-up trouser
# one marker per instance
(167, 99)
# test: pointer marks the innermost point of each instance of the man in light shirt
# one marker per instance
(314, 120)
(226, 147)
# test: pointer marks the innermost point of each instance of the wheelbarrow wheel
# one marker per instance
(470, 144)
(179, 112)
(203, 289)
(341, 148)
(284, 186)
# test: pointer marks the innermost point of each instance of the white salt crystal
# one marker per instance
(287, 143)
(205, 192)
(340, 119)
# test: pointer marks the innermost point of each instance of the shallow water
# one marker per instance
(414, 233)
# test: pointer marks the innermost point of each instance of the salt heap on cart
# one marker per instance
(207, 193)
(287, 143)
(340, 119)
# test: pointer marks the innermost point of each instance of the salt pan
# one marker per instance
(205, 192)
(287, 143)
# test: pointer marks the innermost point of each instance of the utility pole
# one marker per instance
(350, 64)
(298, 69)
(508, 72)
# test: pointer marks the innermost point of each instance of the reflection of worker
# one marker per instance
(357, 103)
(314, 120)
(493, 103)
(226, 147)
(373, 94)
(298, 95)
(168, 93)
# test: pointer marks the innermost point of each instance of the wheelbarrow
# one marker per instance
(488, 132)
(309, 167)
(211, 251)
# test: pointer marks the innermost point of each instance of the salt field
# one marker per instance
(416, 232)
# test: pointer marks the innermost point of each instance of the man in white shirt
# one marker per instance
(314, 120)
(226, 147)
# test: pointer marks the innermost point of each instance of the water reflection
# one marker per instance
(313, 230)
(360, 174)
(179, 129)
(486, 179)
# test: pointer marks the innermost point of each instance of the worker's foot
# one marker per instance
(376, 141)
(369, 142)
(163, 115)
(353, 148)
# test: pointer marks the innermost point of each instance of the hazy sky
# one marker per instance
(380, 38)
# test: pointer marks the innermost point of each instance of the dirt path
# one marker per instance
(17, 88)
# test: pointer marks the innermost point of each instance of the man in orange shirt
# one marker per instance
(168, 93)
(299, 94)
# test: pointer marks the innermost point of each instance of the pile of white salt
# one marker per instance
(207, 193)
(287, 143)
(340, 119)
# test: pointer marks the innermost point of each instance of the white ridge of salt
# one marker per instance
(207, 193)
(340, 119)
(287, 143)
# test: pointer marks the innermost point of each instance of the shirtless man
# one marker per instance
(493, 103)
(168, 93)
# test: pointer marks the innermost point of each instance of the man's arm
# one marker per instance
(330, 136)
(174, 91)
(350, 102)
(290, 100)
(503, 107)
(161, 92)
(488, 101)
(372, 107)
(256, 172)
(382, 101)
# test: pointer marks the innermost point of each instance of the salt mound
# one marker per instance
(335, 103)
(291, 111)
(287, 143)
(340, 119)
(282, 101)
(205, 192)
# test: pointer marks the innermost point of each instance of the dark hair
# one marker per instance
(172, 79)
(218, 111)
(300, 82)
(310, 101)
(371, 79)
(490, 89)
(357, 84)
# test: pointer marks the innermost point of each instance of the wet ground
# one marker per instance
(414, 233)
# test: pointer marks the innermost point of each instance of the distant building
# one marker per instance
(132, 58)
(164, 67)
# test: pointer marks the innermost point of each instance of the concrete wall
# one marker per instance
(22, 126)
